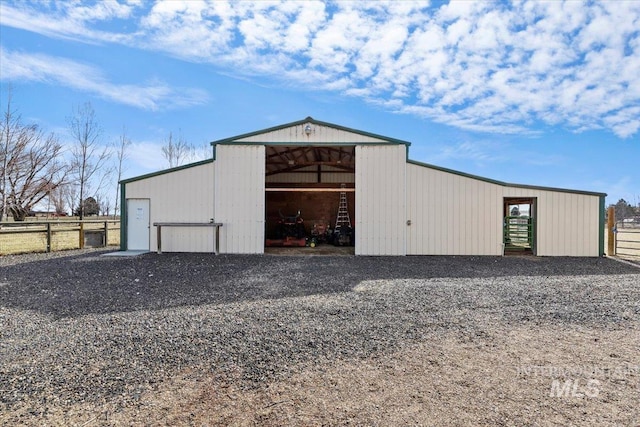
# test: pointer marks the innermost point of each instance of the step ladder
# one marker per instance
(343, 219)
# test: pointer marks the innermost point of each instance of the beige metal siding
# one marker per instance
(567, 223)
(319, 135)
(301, 176)
(380, 200)
(451, 214)
(182, 196)
(239, 201)
(456, 215)
(338, 178)
(329, 176)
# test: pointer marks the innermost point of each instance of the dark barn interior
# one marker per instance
(309, 180)
(320, 207)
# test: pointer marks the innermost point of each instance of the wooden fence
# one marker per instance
(47, 236)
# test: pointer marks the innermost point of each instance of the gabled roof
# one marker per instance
(312, 132)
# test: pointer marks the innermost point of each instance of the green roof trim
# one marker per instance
(123, 217)
(164, 171)
(601, 227)
(505, 184)
(298, 144)
(234, 139)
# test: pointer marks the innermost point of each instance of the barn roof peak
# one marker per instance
(300, 133)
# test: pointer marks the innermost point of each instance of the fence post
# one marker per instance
(48, 237)
(81, 235)
(159, 238)
(611, 238)
(106, 234)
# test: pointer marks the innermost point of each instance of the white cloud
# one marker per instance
(625, 122)
(489, 66)
(69, 20)
(146, 156)
(44, 68)
(479, 152)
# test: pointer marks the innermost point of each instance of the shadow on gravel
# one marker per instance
(89, 284)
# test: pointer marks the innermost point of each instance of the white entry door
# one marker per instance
(138, 224)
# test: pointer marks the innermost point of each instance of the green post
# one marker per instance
(601, 228)
(123, 217)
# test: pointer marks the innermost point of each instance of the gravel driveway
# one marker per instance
(84, 331)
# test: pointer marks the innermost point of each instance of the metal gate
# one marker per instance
(519, 234)
(627, 241)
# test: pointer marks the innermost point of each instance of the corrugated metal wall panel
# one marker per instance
(181, 196)
(338, 177)
(567, 223)
(327, 168)
(294, 177)
(380, 223)
(330, 175)
(309, 178)
(457, 215)
(184, 239)
(319, 135)
(240, 198)
(451, 214)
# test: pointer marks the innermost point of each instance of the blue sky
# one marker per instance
(531, 92)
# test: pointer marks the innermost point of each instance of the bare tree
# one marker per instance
(203, 152)
(101, 193)
(104, 204)
(30, 166)
(177, 152)
(70, 194)
(89, 157)
(9, 123)
(623, 210)
(58, 200)
(122, 153)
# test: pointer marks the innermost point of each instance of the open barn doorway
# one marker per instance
(519, 227)
(310, 199)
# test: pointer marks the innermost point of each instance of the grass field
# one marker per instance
(31, 236)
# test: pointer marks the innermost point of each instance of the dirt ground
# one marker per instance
(502, 379)
(321, 249)
(433, 341)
